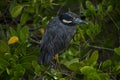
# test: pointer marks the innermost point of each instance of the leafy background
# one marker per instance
(93, 54)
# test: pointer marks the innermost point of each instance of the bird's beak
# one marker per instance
(79, 21)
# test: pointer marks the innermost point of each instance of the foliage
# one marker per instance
(93, 54)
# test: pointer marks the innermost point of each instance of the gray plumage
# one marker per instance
(56, 38)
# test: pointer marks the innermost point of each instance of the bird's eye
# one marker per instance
(66, 21)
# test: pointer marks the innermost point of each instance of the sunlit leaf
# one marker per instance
(74, 66)
(62, 79)
(71, 61)
(8, 71)
(24, 34)
(90, 72)
(100, 10)
(16, 11)
(109, 8)
(117, 67)
(91, 9)
(117, 51)
(93, 59)
(24, 18)
(4, 47)
(36, 67)
(87, 70)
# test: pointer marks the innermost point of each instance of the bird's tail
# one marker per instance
(45, 58)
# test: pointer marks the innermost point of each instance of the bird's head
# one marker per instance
(71, 19)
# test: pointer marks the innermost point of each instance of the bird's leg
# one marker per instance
(58, 62)
(57, 58)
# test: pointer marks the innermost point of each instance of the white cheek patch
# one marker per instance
(66, 21)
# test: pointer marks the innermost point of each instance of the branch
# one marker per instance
(34, 41)
(37, 28)
(98, 47)
(113, 21)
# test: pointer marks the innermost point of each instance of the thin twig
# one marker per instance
(33, 29)
(116, 26)
(98, 47)
(4, 18)
(113, 21)
(34, 41)
(86, 55)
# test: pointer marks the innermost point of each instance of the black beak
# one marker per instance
(79, 21)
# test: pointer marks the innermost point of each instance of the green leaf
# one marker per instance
(91, 9)
(93, 29)
(18, 29)
(90, 72)
(87, 70)
(68, 63)
(24, 34)
(82, 34)
(3, 64)
(27, 60)
(104, 76)
(100, 10)
(16, 11)
(89, 4)
(24, 18)
(109, 8)
(117, 51)
(30, 10)
(117, 67)
(8, 71)
(34, 3)
(36, 66)
(93, 59)
(4, 48)
(62, 79)
(19, 70)
(74, 66)
(89, 33)
(12, 32)
(107, 64)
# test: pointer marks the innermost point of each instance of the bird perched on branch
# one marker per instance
(57, 36)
